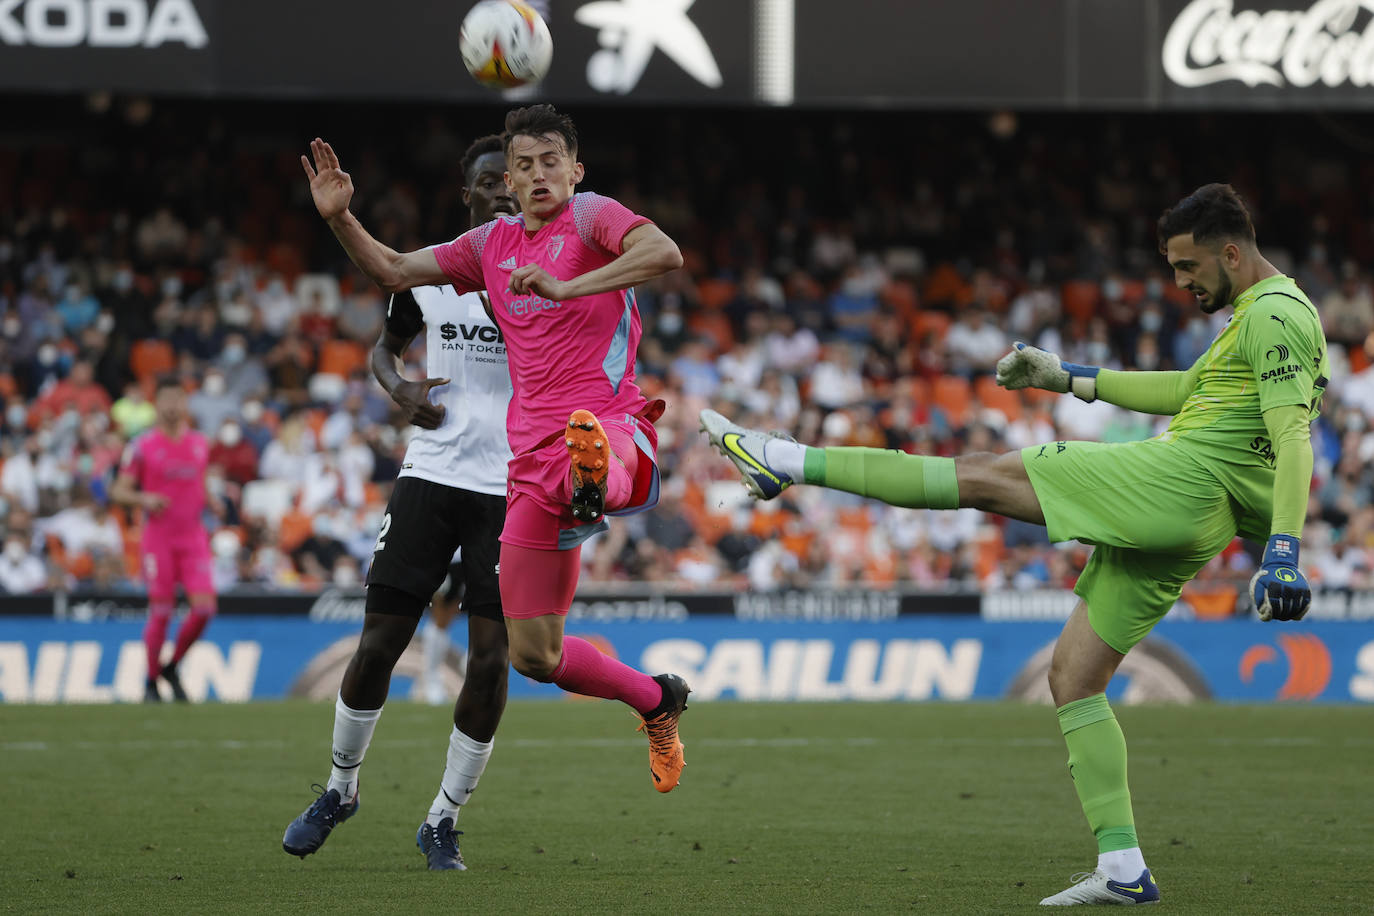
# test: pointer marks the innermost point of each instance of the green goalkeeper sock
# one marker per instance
(1097, 765)
(896, 478)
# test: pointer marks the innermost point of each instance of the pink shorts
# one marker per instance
(538, 486)
(182, 558)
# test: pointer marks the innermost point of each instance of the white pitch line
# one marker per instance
(238, 744)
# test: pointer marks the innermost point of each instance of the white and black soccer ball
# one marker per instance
(505, 44)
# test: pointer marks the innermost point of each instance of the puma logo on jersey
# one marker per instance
(1283, 323)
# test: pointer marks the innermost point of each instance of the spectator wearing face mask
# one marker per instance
(242, 376)
(77, 391)
(21, 571)
(213, 403)
(16, 418)
(132, 309)
(235, 454)
(78, 309)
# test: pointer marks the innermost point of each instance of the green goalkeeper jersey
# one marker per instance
(1272, 353)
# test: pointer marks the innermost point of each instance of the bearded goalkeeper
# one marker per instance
(1236, 459)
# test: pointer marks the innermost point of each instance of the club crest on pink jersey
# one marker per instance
(555, 247)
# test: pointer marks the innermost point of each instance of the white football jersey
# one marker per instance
(469, 450)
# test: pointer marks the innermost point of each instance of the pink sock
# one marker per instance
(585, 670)
(190, 631)
(155, 634)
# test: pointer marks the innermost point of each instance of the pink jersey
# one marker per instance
(174, 468)
(579, 353)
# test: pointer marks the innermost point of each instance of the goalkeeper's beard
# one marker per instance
(1221, 298)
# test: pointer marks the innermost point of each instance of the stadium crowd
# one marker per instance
(852, 285)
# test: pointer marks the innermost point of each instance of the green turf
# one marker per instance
(783, 808)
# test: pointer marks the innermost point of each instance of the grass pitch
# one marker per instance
(783, 808)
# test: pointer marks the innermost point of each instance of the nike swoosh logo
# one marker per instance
(1138, 889)
(731, 442)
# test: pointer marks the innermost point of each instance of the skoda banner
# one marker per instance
(976, 54)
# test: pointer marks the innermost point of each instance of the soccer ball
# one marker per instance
(505, 44)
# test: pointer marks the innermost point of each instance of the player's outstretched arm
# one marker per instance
(332, 189)
(1280, 590)
(1161, 393)
(645, 252)
(1148, 392)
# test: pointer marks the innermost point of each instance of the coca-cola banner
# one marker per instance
(1213, 50)
(1089, 54)
(1095, 54)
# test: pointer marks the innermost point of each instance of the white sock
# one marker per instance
(788, 457)
(352, 734)
(466, 761)
(1122, 865)
(434, 642)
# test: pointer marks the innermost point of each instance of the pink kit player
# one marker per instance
(163, 473)
(559, 278)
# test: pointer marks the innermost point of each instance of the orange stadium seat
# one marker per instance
(929, 321)
(1132, 291)
(1359, 360)
(998, 398)
(713, 325)
(1080, 299)
(946, 286)
(989, 553)
(952, 395)
(151, 356)
(901, 295)
(294, 528)
(1035, 397)
(920, 390)
(341, 357)
(855, 518)
(1211, 600)
(714, 293)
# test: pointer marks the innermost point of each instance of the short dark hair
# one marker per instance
(1212, 213)
(491, 143)
(539, 121)
(167, 380)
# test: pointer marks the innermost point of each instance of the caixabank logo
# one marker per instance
(1307, 659)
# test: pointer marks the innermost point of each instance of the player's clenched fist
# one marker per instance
(1280, 590)
(534, 279)
(1030, 367)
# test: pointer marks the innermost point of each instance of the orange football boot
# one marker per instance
(666, 758)
(589, 452)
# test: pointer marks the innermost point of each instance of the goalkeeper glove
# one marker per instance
(1279, 588)
(1030, 367)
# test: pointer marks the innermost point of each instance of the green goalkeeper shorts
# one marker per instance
(1154, 513)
